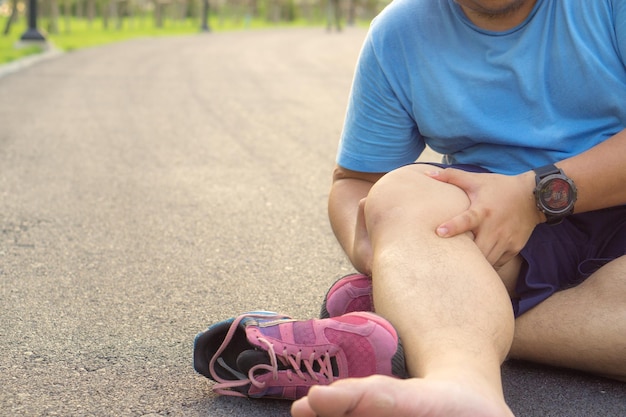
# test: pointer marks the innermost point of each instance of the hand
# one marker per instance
(362, 248)
(502, 212)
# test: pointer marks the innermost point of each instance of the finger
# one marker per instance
(302, 408)
(503, 260)
(506, 257)
(465, 222)
(493, 258)
(504, 247)
(488, 247)
(498, 254)
(448, 175)
(332, 400)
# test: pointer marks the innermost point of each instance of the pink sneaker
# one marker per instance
(264, 354)
(350, 293)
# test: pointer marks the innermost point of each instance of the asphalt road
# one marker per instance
(152, 187)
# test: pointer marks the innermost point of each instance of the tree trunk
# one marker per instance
(91, 12)
(67, 14)
(53, 16)
(11, 18)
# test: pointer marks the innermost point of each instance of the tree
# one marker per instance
(11, 18)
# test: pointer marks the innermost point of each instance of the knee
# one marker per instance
(411, 198)
(387, 200)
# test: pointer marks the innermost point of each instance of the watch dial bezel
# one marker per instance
(557, 194)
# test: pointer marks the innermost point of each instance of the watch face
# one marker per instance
(556, 194)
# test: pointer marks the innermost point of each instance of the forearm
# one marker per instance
(343, 205)
(347, 190)
(599, 174)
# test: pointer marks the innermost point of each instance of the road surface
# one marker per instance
(152, 187)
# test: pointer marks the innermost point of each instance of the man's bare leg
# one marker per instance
(446, 301)
(581, 328)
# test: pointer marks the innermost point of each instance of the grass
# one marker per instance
(78, 33)
(8, 51)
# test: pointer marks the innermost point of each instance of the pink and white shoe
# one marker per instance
(348, 294)
(264, 354)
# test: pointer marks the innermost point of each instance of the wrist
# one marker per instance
(528, 187)
(555, 193)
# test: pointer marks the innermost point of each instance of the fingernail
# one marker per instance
(442, 231)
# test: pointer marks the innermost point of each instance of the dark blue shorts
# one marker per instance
(561, 256)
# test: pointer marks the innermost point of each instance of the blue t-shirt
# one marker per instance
(546, 90)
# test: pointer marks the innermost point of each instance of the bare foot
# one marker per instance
(380, 396)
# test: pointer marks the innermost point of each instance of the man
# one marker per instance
(527, 98)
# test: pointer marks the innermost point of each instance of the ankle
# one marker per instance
(481, 376)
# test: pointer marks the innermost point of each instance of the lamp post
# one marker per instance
(32, 34)
(205, 16)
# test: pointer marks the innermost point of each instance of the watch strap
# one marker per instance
(546, 170)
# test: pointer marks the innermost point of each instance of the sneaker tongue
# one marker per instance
(250, 358)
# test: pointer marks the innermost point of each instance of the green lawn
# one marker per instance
(77, 33)
(8, 51)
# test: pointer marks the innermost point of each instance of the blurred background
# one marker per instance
(74, 24)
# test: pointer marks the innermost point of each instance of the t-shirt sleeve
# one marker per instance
(379, 132)
(619, 18)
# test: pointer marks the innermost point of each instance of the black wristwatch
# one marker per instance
(555, 193)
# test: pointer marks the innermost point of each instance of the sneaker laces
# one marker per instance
(293, 364)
